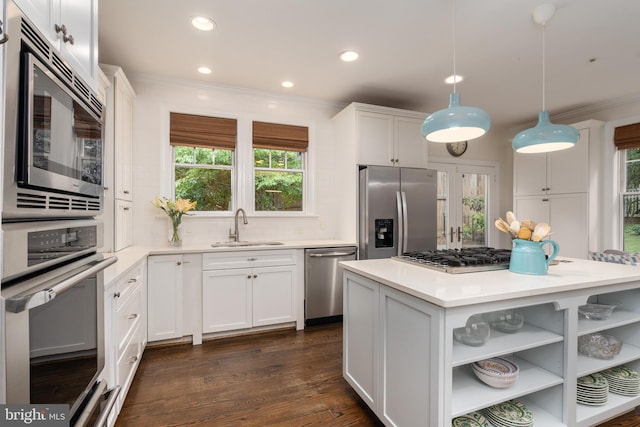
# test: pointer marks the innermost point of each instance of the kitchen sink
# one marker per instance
(244, 243)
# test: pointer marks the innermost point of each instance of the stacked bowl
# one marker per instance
(497, 372)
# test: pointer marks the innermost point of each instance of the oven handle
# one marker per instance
(20, 303)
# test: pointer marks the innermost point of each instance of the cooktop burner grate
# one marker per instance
(467, 260)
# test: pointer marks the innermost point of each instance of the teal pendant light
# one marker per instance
(545, 137)
(456, 123)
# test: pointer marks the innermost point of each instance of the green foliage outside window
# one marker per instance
(278, 180)
(204, 175)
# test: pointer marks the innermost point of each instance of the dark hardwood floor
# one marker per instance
(280, 378)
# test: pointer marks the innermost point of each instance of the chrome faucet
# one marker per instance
(236, 233)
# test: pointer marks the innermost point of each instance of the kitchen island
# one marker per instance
(401, 357)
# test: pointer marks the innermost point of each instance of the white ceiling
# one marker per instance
(406, 50)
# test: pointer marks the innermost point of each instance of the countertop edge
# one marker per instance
(456, 290)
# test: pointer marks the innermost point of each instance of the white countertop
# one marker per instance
(453, 290)
(132, 255)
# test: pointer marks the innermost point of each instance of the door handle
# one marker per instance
(459, 234)
(451, 235)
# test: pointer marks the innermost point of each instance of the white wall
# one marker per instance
(155, 97)
(152, 166)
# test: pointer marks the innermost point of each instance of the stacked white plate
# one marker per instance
(496, 372)
(623, 380)
(593, 390)
(509, 414)
(472, 419)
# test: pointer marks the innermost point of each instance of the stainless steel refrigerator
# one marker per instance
(397, 211)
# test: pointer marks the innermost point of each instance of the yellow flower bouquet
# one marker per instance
(175, 210)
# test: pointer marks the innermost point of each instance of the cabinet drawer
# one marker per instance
(128, 362)
(128, 282)
(128, 316)
(244, 259)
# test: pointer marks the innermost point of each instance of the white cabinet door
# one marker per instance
(375, 138)
(226, 299)
(409, 373)
(80, 19)
(164, 295)
(529, 174)
(569, 220)
(72, 28)
(123, 122)
(361, 336)
(410, 146)
(559, 172)
(273, 295)
(41, 14)
(123, 225)
(568, 216)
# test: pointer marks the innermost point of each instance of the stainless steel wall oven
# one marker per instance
(53, 290)
(53, 154)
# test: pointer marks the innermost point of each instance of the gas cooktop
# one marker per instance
(467, 260)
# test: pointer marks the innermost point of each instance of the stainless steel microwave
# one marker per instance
(53, 158)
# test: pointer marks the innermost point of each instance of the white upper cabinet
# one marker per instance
(72, 28)
(382, 136)
(559, 172)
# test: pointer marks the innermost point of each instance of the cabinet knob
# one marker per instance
(126, 191)
(255, 275)
(134, 280)
(248, 276)
(60, 29)
(545, 200)
(116, 294)
(179, 262)
(133, 316)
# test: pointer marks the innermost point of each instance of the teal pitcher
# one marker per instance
(528, 257)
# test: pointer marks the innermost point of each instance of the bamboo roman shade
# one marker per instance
(274, 136)
(626, 137)
(202, 131)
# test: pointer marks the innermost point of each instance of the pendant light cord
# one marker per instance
(544, 56)
(455, 75)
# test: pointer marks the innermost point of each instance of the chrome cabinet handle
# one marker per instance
(133, 316)
(133, 280)
(5, 37)
(134, 359)
(252, 259)
(126, 191)
(116, 294)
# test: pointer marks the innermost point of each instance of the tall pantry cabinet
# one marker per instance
(118, 137)
(561, 188)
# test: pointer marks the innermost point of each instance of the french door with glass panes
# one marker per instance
(463, 205)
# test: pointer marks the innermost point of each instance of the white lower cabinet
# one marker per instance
(401, 357)
(125, 330)
(259, 289)
(164, 300)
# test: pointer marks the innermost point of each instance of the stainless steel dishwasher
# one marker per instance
(323, 283)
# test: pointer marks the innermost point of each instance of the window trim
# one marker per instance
(242, 180)
(612, 204)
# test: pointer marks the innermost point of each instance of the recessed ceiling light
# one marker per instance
(456, 78)
(204, 70)
(203, 23)
(349, 55)
(287, 84)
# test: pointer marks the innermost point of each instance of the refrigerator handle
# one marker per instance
(401, 227)
(405, 224)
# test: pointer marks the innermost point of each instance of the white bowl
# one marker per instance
(496, 372)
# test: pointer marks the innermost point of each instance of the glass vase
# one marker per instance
(175, 239)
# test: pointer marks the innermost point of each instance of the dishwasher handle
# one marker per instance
(332, 254)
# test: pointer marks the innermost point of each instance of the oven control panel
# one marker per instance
(51, 244)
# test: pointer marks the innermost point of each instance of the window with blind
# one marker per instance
(203, 159)
(279, 158)
(627, 141)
